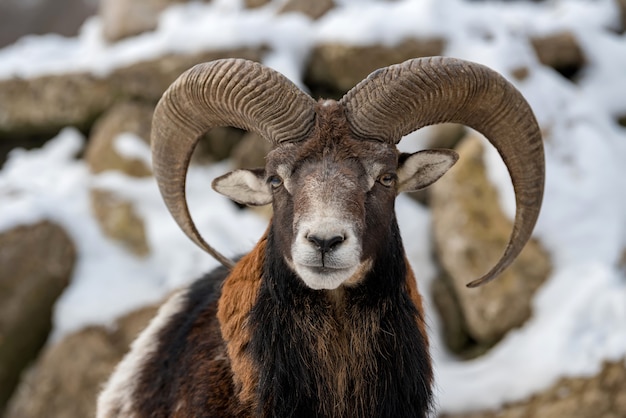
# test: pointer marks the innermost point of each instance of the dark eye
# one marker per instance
(274, 181)
(387, 179)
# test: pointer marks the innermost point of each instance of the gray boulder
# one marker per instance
(123, 18)
(126, 117)
(599, 396)
(68, 376)
(336, 67)
(37, 262)
(313, 9)
(471, 232)
(560, 51)
(119, 220)
(43, 105)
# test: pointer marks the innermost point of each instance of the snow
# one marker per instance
(132, 147)
(108, 281)
(579, 315)
(186, 28)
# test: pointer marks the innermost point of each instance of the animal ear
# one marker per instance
(421, 169)
(247, 187)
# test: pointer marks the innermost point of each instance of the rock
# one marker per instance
(43, 105)
(37, 262)
(560, 51)
(471, 232)
(20, 18)
(446, 135)
(68, 376)
(621, 4)
(600, 396)
(147, 80)
(127, 117)
(520, 73)
(217, 144)
(251, 151)
(115, 215)
(119, 220)
(123, 18)
(455, 330)
(313, 9)
(136, 118)
(8, 144)
(334, 68)
(253, 4)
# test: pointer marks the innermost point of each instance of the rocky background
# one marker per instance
(61, 378)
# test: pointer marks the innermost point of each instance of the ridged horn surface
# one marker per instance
(230, 92)
(399, 99)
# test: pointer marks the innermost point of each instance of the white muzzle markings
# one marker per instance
(326, 250)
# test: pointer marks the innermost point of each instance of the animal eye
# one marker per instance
(387, 179)
(274, 181)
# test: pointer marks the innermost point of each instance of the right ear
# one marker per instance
(247, 187)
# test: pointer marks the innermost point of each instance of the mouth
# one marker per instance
(325, 270)
(324, 277)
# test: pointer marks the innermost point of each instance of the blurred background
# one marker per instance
(88, 250)
(20, 18)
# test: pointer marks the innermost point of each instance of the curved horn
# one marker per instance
(402, 98)
(230, 92)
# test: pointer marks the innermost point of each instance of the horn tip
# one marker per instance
(486, 278)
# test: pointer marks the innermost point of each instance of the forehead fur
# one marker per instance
(332, 139)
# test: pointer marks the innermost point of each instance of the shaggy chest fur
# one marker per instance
(290, 351)
(354, 352)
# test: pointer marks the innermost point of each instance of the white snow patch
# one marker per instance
(131, 146)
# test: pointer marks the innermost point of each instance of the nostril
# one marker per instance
(318, 242)
(325, 244)
(334, 241)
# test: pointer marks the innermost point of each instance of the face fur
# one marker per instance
(333, 197)
(326, 200)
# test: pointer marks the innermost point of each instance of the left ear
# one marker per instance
(421, 169)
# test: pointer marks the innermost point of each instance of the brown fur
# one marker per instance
(344, 345)
(194, 386)
(415, 296)
(345, 357)
(348, 161)
(239, 294)
(189, 371)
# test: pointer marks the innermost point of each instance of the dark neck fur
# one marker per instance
(358, 353)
